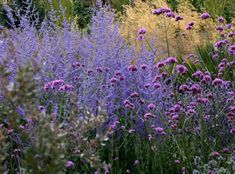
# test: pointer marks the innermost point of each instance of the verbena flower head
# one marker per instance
(231, 50)
(205, 16)
(142, 31)
(221, 19)
(171, 60)
(69, 164)
(181, 69)
(220, 28)
(179, 18)
(190, 25)
(161, 11)
(140, 38)
(229, 26)
(170, 14)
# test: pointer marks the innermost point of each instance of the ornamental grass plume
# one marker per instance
(150, 15)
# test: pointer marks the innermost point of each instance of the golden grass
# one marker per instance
(180, 40)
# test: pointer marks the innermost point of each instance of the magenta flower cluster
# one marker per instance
(58, 85)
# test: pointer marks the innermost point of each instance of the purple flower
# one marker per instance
(231, 34)
(150, 137)
(220, 28)
(232, 108)
(142, 31)
(161, 11)
(170, 14)
(144, 66)
(232, 131)
(157, 11)
(171, 60)
(140, 38)
(181, 69)
(17, 150)
(221, 19)
(69, 164)
(177, 108)
(41, 108)
(47, 86)
(9, 131)
(206, 78)
(179, 18)
(190, 25)
(228, 26)
(205, 16)
(226, 150)
(159, 130)
(55, 84)
(128, 105)
(195, 88)
(148, 115)
(156, 85)
(202, 100)
(215, 56)
(183, 88)
(151, 106)
(66, 88)
(131, 131)
(21, 127)
(217, 81)
(177, 161)
(175, 117)
(191, 112)
(231, 50)
(220, 43)
(132, 68)
(159, 65)
(134, 94)
(197, 74)
(215, 154)
(113, 80)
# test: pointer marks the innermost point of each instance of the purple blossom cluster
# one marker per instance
(205, 16)
(190, 25)
(58, 85)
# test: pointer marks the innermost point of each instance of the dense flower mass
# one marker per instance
(89, 102)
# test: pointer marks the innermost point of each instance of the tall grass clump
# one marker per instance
(170, 32)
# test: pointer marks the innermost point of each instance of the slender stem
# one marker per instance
(166, 36)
